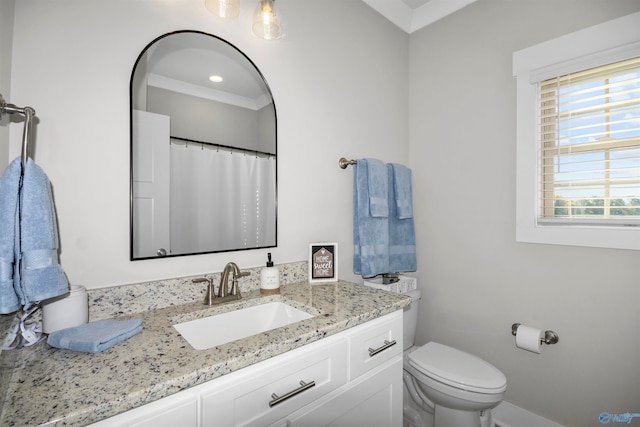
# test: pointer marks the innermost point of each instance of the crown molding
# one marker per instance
(410, 20)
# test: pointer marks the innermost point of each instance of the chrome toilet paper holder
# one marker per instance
(550, 337)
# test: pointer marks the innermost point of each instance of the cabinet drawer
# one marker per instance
(263, 395)
(375, 344)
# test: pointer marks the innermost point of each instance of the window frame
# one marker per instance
(594, 46)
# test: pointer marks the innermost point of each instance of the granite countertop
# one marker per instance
(49, 386)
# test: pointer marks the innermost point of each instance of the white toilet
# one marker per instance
(443, 386)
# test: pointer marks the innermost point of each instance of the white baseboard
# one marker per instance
(509, 415)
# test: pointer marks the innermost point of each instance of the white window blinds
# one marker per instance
(589, 135)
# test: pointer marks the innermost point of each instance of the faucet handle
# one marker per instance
(211, 294)
(235, 290)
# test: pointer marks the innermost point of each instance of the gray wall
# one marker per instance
(6, 40)
(206, 120)
(476, 280)
(267, 121)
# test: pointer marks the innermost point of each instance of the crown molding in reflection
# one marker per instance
(167, 83)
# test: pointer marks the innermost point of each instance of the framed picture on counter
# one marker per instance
(323, 262)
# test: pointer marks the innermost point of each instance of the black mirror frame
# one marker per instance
(131, 245)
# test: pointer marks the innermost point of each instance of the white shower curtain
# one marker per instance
(221, 200)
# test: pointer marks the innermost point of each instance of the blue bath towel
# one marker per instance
(41, 275)
(9, 194)
(95, 337)
(402, 239)
(370, 232)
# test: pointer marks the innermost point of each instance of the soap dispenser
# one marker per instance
(269, 278)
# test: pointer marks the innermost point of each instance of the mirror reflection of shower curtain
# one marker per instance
(205, 219)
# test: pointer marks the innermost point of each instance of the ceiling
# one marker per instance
(412, 15)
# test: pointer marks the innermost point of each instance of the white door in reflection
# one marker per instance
(151, 184)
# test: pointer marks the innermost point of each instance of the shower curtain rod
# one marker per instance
(228, 147)
(28, 113)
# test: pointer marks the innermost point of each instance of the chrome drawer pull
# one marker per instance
(387, 344)
(279, 399)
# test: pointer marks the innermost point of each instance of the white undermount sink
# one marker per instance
(226, 327)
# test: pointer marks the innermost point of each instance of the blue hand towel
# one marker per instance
(403, 192)
(370, 233)
(41, 275)
(9, 191)
(95, 337)
(377, 187)
(402, 239)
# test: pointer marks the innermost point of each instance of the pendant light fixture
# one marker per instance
(227, 9)
(266, 21)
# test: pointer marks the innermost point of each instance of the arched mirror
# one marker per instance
(203, 149)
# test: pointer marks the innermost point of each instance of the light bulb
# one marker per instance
(266, 21)
(223, 8)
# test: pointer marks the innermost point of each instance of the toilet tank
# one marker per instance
(410, 318)
(407, 286)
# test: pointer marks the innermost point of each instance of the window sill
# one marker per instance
(613, 237)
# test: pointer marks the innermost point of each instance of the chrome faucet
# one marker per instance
(223, 289)
(224, 294)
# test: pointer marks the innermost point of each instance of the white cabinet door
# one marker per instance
(374, 399)
(374, 343)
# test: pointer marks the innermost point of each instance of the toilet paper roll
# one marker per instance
(66, 311)
(528, 338)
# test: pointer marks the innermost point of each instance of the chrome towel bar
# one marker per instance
(28, 113)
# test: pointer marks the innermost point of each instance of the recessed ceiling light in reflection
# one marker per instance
(216, 79)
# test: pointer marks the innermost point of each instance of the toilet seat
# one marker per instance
(457, 369)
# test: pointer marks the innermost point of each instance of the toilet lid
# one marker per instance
(457, 368)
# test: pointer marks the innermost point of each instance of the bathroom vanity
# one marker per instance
(332, 380)
(342, 364)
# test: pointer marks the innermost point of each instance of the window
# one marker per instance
(578, 138)
(589, 142)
